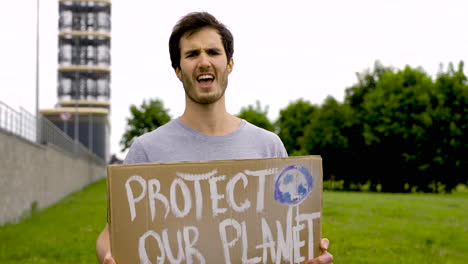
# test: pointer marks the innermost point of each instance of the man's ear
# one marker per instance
(230, 65)
(178, 73)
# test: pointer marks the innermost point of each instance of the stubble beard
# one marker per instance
(204, 98)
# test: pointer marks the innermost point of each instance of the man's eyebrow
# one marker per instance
(214, 49)
(197, 51)
(191, 51)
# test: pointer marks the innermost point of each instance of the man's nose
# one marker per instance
(204, 60)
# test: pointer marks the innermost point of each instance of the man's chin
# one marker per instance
(205, 99)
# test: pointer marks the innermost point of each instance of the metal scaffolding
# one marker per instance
(84, 50)
(84, 75)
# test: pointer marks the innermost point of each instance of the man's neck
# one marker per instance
(210, 119)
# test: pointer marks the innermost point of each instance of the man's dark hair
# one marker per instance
(192, 23)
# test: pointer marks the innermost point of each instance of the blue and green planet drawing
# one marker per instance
(293, 185)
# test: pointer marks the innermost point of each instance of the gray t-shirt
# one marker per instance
(175, 141)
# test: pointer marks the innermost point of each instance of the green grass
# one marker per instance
(363, 228)
(64, 233)
(396, 228)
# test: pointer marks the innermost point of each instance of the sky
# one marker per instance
(283, 50)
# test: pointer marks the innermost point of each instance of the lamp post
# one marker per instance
(38, 119)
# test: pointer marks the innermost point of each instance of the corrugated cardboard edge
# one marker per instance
(108, 196)
(321, 197)
(207, 161)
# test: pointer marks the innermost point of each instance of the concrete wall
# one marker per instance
(37, 174)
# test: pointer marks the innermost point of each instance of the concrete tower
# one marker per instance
(83, 83)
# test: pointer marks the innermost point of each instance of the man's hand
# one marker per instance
(326, 257)
(108, 259)
(103, 247)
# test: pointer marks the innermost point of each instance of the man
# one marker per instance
(201, 50)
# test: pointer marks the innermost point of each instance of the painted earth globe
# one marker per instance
(293, 185)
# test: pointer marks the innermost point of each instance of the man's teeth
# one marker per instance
(205, 77)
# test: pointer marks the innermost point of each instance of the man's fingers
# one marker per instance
(325, 258)
(108, 259)
(324, 244)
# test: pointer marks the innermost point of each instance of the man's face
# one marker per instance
(203, 68)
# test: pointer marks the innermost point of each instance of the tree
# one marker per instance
(397, 129)
(359, 152)
(324, 135)
(396, 116)
(149, 116)
(408, 129)
(367, 82)
(450, 122)
(257, 116)
(291, 123)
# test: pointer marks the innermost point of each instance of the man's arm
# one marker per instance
(103, 247)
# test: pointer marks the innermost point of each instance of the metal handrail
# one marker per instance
(16, 122)
(41, 131)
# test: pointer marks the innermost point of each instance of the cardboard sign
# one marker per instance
(233, 211)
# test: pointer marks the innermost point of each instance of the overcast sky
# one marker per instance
(284, 50)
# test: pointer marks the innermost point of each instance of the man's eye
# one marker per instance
(192, 54)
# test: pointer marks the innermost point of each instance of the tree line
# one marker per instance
(397, 130)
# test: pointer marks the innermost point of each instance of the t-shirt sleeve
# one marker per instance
(136, 154)
(282, 153)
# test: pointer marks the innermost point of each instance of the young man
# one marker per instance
(201, 50)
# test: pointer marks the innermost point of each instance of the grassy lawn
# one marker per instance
(396, 228)
(362, 227)
(64, 233)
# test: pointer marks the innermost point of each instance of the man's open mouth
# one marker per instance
(205, 78)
